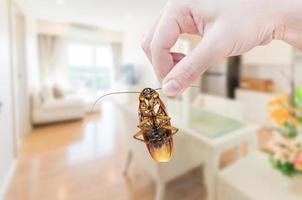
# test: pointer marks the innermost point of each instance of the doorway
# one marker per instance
(20, 93)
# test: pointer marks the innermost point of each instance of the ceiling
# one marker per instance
(103, 13)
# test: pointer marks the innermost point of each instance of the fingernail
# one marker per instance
(171, 88)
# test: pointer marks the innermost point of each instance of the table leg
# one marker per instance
(211, 169)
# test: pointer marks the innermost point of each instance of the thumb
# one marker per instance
(206, 53)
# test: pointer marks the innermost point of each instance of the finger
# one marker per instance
(147, 38)
(207, 52)
(165, 36)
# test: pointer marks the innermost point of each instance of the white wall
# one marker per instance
(32, 52)
(135, 25)
(31, 43)
(84, 32)
(6, 122)
(275, 53)
(269, 62)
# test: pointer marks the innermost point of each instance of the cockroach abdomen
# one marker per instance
(160, 144)
(162, 153)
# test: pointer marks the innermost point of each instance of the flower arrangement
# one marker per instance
(286, 155)
(286, 147)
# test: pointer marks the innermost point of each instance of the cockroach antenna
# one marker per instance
(111, 93)
(125, 92)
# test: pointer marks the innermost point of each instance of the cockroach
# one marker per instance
(155, 127)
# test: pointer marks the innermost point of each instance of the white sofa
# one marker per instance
(47, 109)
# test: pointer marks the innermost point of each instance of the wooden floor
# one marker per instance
(83, 160)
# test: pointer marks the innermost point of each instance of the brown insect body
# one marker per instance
(155, 126)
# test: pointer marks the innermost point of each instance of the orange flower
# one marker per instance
(281, 111)
(280, 115)
(279, 101)
(293, 120)
(298, 167)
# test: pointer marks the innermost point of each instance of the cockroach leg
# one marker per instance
(164, 120)
(171, 128)
(136, 136)
(143, 122)
(163, 117)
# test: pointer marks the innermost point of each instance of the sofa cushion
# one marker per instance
(63, 103)
(58, 92)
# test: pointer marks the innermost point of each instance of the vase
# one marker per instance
(295, 184)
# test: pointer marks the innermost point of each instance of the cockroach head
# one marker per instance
(148, 93)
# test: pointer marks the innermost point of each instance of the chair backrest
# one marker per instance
(219, 105)
(139, 150)
(187, 154)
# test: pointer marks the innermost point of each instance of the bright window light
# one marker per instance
(80, 55)
(104, 56)
(90, 66)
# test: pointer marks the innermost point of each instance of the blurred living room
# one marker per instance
(239, 124)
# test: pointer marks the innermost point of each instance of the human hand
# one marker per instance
(227, 28)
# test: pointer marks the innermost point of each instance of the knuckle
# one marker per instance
(219, 49)
(185, 77)
(191, 75)
(184, 10)
(224, 49)
(192, 72)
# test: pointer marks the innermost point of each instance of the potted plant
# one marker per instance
(286, 147)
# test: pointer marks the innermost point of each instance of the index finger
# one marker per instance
(165, 36)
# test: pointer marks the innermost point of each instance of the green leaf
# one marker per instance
(286, 124)
(287, 169)
(298, 97)
(298, 93)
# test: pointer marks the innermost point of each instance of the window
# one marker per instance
(90, 66)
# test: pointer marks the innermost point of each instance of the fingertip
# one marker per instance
(172, 88)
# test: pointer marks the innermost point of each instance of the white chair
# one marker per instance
(186, 155)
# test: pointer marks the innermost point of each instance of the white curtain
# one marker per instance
(117, 56)
(52, 59)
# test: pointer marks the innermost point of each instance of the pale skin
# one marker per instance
(227, 28)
